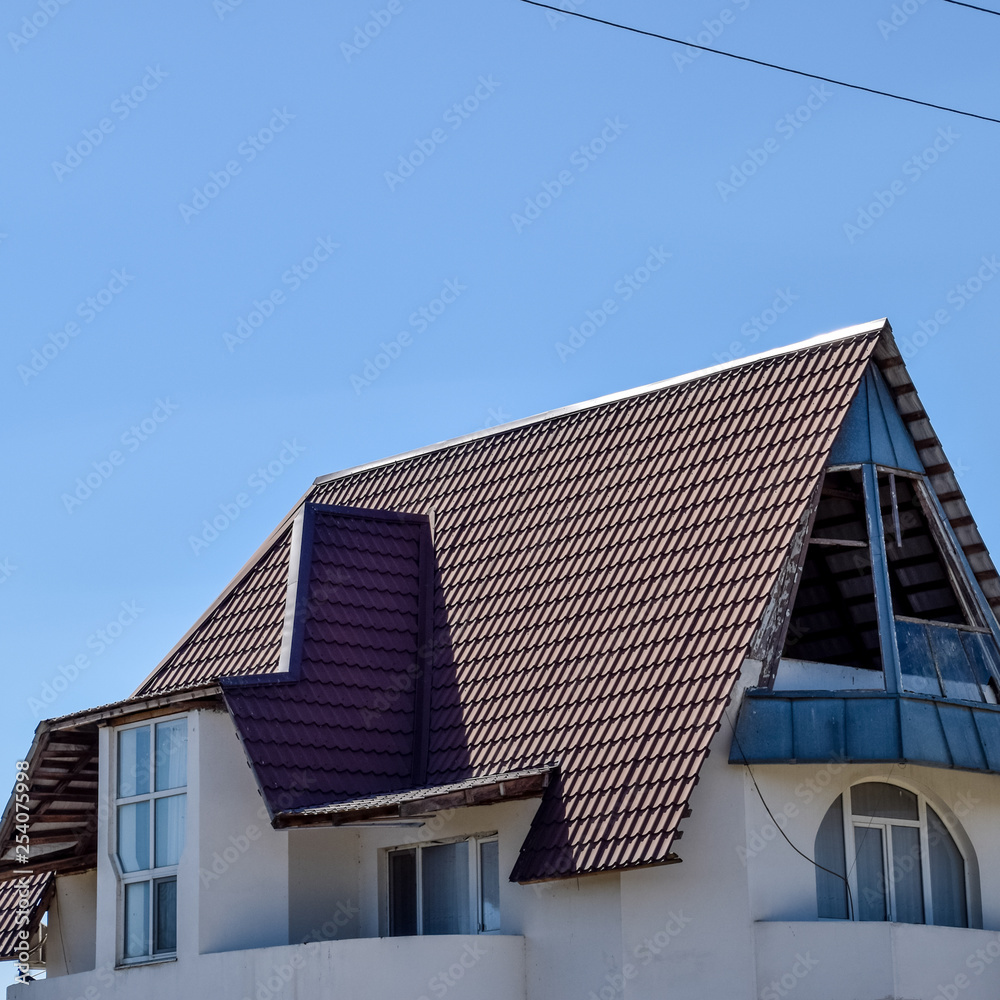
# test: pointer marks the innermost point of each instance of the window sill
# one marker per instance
(139, 963)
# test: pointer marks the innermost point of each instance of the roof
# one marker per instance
(485, 789)
(599, 573)
(590, 580)
(340, 723)
(25, 895)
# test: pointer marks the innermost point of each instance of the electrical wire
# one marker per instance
(972, 6)
(777, 825)
(760, 62)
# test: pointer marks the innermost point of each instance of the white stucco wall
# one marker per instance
(242, 863)
(323, 884)
(461, 968)
(71, 944)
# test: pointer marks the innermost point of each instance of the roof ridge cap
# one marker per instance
(802, 345)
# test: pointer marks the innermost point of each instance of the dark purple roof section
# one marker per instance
(341, 723)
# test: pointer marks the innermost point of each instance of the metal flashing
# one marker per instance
(798, 727)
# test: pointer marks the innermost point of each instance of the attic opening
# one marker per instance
(834, 621)
(932, 625)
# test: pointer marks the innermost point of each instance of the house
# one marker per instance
(688, 691)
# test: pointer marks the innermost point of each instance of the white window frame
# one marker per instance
(883, 823)
(151, 875)
(475, 898)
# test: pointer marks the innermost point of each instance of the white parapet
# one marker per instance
(817, 960)
(463, 967)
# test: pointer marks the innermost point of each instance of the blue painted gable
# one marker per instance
(873, 430)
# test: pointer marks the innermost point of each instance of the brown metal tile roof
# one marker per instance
(601, 573)
(340, 723)
(240, 635)
(20, 898)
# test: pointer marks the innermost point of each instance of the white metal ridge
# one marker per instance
(823, 338)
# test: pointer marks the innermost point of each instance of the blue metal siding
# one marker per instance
(873, 430)
(807, 726)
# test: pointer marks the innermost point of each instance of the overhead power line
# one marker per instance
(972, 6)
(760, 62)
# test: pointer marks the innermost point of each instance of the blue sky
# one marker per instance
(220, 220)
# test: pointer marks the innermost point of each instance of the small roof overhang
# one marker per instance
(421, 802)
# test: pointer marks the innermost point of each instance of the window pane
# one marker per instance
(489, 876)
(166, 915)
(876, 798)
(907, 875)
(136, 919)
(171, 754)
(831, 892)
(133, 762)
(170, 815)
(402, 893)
(953, 664)
(947, 875)
(445, 888)
(916, 660)
(871, 873)
(133, 836)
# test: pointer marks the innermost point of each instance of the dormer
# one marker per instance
(880, 642)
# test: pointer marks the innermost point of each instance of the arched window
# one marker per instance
(896, 854)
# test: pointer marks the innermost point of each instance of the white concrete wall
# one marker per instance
(242, 870)
(783, 885)
(486, 967)
(323, 885)
(871, 961)
(72, 939)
